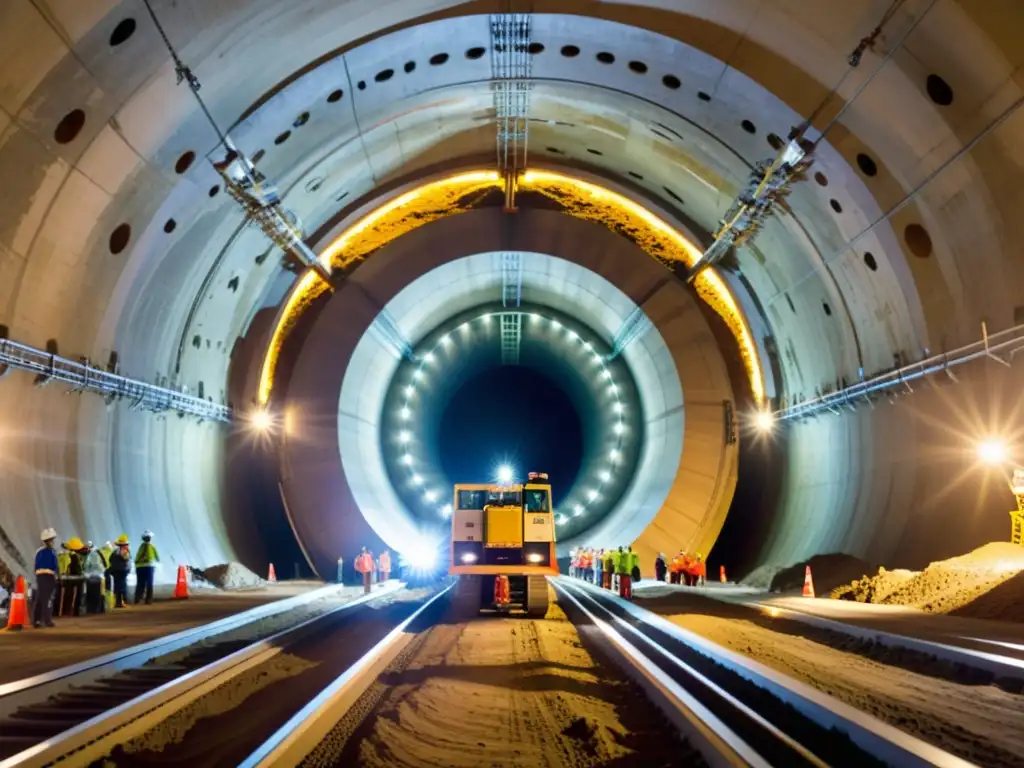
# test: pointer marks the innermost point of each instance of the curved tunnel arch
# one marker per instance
(80, 466)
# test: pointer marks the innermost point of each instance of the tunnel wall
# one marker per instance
(320, 500)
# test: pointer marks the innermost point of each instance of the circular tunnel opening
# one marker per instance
(512, 416)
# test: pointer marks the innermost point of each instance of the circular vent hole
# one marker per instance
(475, 53)
(639, 67)
(939, 90)
(671, 81)
(605, 58)
(301, 120)
(384, 75)
(554, 150)
(835, 205)
(867, 165)
(821, 178)
(409, 66)
(569, 51)
(361, 85)
(438, 59)
(170, 225)
(535, 48)
(774, 141)
(282, 138)
(673, 195)
(119, 238)
(335, 96)
(594, 151)
(703, 96)
(184, 162)
(918, 240)
(635, 175)
(869, 261)
(748, 126)
(213, 190)
(827, 308)
(69, 126)
(124, 29)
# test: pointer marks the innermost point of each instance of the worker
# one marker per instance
(146, 558)
(676, 568)
(364, 565)
(607, 568)
(572, 562)
(623, 569)
(63, 560)
(700, 571)
(46, 579)
(385, 565)
(74, 579)
(660, 567)
(634, 568)
(93, 568)
(584, 563)
(120, 567)
(341, 574)
(598, 566)
(108, 579)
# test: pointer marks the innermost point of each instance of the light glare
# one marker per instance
(505, 474)
(992, 451)
(764, 421)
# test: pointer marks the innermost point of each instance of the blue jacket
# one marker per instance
(46, 561)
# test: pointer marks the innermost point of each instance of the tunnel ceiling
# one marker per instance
(116, 236)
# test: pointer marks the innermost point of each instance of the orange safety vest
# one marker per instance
(385, 561)
(364, 563)
(678, 564)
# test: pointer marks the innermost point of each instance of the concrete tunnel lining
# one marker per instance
(688, 509)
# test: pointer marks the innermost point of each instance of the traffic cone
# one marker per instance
(721, 573)
(271, 575)
(808, 583)
(181, 587)
(18, 615)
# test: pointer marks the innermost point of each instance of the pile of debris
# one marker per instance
(828, 571)
(873, 589)
(230, 576)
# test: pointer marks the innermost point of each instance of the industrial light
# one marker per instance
(417, 480)
(561, 520)
(430, 495)
(466, 329)
(618, 407)
(588, 346)
(534, 318)
(446, 340)
(606, 374)
(505, 474)
(421, 557)
(534, 557)
(417, 374)
(487, 319)
(468, 557)
(619, 428)
(446, 510)
(261, 420)
(597, 359)
(613, 389)
(605, 476)
(405, 413)
(573, 335)
(592, 494)
(613, 455)
(407, 459)
(555, 324)
(764, 421)
(577, 510)
(410, 391)
(428, 358)
(404, 436)
(993, 451)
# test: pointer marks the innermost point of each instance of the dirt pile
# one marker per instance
(761, 577)
(232, 576)
(981, 584)
(827, 571)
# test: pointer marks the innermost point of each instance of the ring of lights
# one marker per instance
(600, 384)
(334, 478)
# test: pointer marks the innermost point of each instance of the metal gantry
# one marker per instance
(633, 327)
(511, 68)
(83, 376)
(511, 298)
(388, 330)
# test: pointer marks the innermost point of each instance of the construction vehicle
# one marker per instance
(503, 546)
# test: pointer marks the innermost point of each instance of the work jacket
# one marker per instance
(94, 566)
(105, 553)
(121, 560)
(364, 563)
(623, 563)
(74, 570)
(385, 561)
(146, 555)
(609, 561)
(63, 561)
(46, 561)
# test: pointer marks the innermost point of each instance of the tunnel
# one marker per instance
(637, 126)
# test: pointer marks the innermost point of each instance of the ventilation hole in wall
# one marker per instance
(170, 225)
(673, 195)
(595, 151)
(361, 85)
(569, 51)
(301, 120)
(119, 238)
(438, 59)
(605, 58)
(835, 205)
(669, 129)
(554, 150)
(233, 284)
(939, 90)
(671, 81)
(314, 184)
(821, 178)
(69, 126)
(201, 389)
(409, 66)
(869, 261)
(335, 95)
(918, 240)
(260, 154)
(184, 162)
(384, 75)
(197, 341)
(827, 308)
(790, 302)
(535, 48)
(638, 66)
(212, 192)
(282, 138)
(658, 133)
(774, 141)
(341, 197)
(703, 96)
(475, 53)
(635, 175)
(867, 165)
(748, 126)
(124, 29)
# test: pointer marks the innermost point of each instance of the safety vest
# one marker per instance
(364, 563)
(105, 553)
(146, 555)
(63, 561)
(609, 561)
(385, 561)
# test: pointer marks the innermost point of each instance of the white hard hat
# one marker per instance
(108, 545)
(147, 534)
(47, 534)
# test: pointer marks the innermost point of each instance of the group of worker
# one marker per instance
(683, 569)
(372, 569)
(80, 576)
(614, 569)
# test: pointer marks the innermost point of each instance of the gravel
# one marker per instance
(232, 576)
(827, 571)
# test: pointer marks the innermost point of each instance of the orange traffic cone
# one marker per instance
(721, 573)
(808, 583)
(271, 575)
(181, 587)
(18, 615)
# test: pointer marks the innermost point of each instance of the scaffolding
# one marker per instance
(511, 69)
(511, 298)
(49, 367)
(633, 327)
(1017, 515)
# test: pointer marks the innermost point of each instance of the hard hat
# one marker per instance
(108, 545)
(48, 534)
(74, 543)
(147, 534)
(88, 545)
(122, 539)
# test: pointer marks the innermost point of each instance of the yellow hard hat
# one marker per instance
(74, 543)
(122, 539)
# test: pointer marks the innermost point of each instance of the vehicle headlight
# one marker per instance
(468, 557)
(534, 557)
